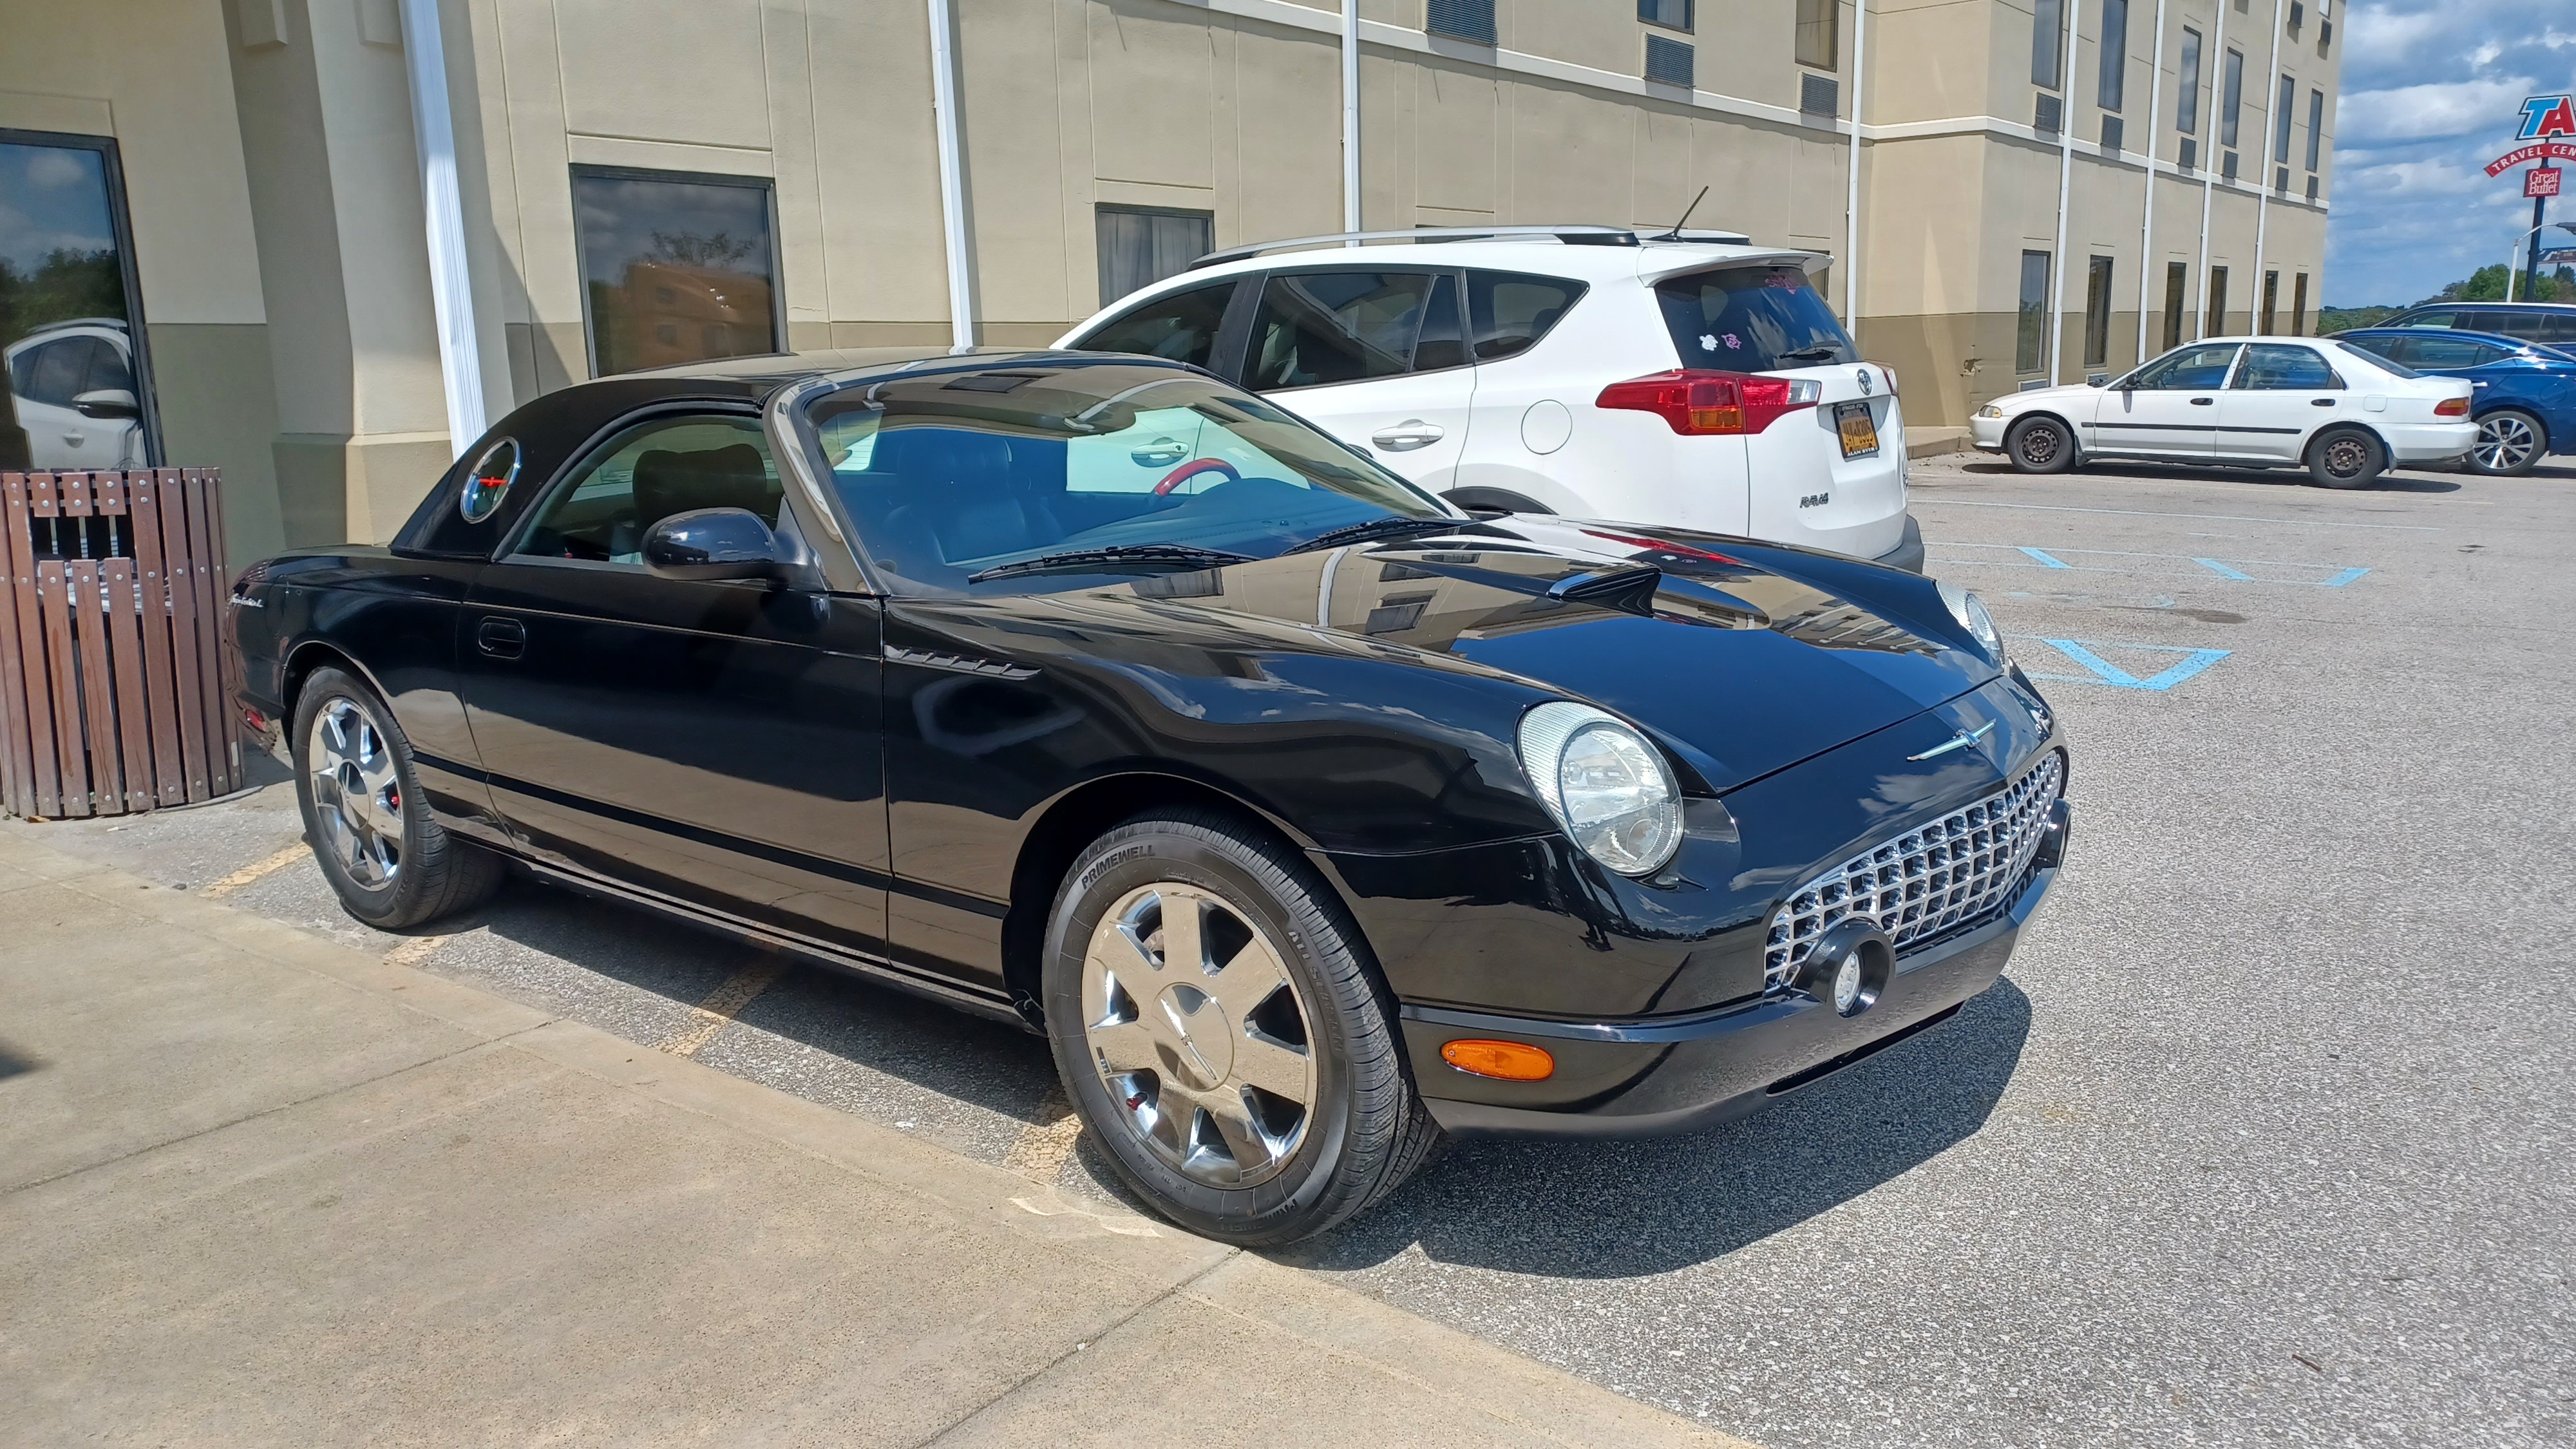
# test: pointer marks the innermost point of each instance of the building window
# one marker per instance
(1670, 14)
(2299, 306)
(2047, 40)
(1470, 20)
(2231, 98)
(2113, 83)
(2216, 323)
(1820, 41)
(2316, 128)
(2271, 301)
(2187, 93)
(71, 323)
(675, 268)
(1141, 245)
(1668, 62)
(2097, 313)
(2177, 279)
(2030, 337)
(2282, 111)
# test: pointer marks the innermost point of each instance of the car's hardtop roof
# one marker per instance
(2504, 340)
(2487, 307)
(760, 376)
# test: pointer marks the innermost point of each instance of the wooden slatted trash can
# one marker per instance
(115, 684)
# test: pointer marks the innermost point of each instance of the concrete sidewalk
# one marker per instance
(258, 1187)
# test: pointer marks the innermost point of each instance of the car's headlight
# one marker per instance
(1991, 410)
(1971, 613)
(1605, 783)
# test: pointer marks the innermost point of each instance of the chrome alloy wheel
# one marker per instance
(2505, 444)
(357, 793)
(1198, 1030)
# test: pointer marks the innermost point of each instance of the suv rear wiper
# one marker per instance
(1376, 528)
(1811, 354)
(1124, 553)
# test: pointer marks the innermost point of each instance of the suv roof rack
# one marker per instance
(1575, 235)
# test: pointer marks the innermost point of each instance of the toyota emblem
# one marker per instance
(1865, 383)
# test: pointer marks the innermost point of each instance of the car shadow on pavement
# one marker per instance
(2264, 477)
(1617, 1209)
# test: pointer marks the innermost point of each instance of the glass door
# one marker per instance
(71, 317)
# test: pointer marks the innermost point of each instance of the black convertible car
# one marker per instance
(1304, 814)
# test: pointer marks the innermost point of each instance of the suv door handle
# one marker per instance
(501, 638)
(2202, 402)
(1405, 436)
(1158, 453)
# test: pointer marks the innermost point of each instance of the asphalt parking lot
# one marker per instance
(2265, 1138)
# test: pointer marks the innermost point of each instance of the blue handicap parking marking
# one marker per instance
(2045, 561)
(2103, 671)
(2341, 579)
(2297, 572)
(2224, 571)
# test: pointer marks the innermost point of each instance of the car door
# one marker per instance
(2281, 394)
(714, 743)
(2168, 408)
(48, 380)
(1377, 359)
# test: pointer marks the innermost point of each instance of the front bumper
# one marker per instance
(1657, 1076)
(2428, 442)
(1987, 434)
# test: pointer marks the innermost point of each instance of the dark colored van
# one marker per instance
(2550, 322)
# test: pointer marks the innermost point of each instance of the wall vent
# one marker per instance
(1468, 20)
(2049, 116)
(1819, 95)
(2111, 134)
(2190, 155)
(2227, 165)
(2312, 188)
(1668, 62)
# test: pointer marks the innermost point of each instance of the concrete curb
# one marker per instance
(1433, 1380)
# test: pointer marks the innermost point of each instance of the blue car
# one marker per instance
(2525, 402)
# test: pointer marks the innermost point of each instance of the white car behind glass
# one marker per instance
(73, 386)
(2343, 414)
(1693, 381)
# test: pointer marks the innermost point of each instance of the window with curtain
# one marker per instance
(1671, 14)
(2177, 278)
(1820, 33)
(2030, 336)
(2216, 323)
(1141, 245)
(2097, 313)
(2047, 41)
(2113, 83)
(2271, 301)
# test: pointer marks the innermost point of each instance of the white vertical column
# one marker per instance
(2263, 174)
(451, 290)
(952, 174)
(2147, 228)
(2065, 184)
(2209, 172)
(1351, 116)
(1851, 201)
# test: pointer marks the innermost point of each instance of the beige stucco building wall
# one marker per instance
(276, 193)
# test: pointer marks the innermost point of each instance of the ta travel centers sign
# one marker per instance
(2548, 133)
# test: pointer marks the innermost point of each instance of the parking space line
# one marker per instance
(1920, 499)
(2081, 651)
(1043, 1146)
(2341, 579)
(2083, 560)
(2044, 559)
(249, 873)
(709, 1016)
(2223, 570)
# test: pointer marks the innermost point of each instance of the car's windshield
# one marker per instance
(1752, 319)
(958, 473)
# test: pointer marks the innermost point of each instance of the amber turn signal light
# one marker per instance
(1509, 1060)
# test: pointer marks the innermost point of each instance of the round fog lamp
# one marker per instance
(1849, 967)
(1847, 984)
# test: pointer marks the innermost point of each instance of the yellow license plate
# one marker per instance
(1859, 431)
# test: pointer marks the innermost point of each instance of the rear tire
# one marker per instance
(2510, 444)
(2040, 444)
(2346, 458)
(391, 864)
(1219, 1030)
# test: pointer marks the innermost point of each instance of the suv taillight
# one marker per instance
(1696, 403)
(1890, 374)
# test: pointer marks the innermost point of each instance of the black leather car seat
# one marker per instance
(958, 489)
(668, 481)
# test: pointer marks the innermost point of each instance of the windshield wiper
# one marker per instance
(1812, 354)
(1124, 553)
(1376, 528)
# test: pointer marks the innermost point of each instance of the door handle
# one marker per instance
(1159, 453)
(2202, 402)
(501, 638)
(1405, 436)
(2321, 402)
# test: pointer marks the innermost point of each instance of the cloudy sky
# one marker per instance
(2432, 91)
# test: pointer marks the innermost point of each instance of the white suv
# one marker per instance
(1693, 382)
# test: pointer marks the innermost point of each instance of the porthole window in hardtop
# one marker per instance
(488, 482)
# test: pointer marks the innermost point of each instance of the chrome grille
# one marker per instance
(1956, 871)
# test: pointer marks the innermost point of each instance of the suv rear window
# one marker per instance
(1182, 326)
(1752, 319)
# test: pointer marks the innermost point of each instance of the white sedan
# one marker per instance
(2343, 414)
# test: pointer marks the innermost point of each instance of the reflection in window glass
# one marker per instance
(678, 269)
(2187, 84)
(648, 473)
(1512, 312)
(1182, 326)
(2198, 366)
(2283, 369)
(1751, 319)
(2030, 336)
(1315, 328)
(67, 330)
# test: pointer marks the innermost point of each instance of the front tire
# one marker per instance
(1218, 1029)
(2510, 444)
(2040, 444)
(365, 816)
(2346, 458)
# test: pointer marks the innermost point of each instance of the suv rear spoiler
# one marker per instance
(1586, 235)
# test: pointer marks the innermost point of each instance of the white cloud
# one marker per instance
(2379, 35)
(50, 168)
(2427, 112)
(2437, 177)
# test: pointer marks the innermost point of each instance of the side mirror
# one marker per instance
(715, 543)
(110, 404)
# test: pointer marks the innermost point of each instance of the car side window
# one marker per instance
(58, 371)
(1182, 326)
(2199, 366)
(1316, 328)
(2429, 319)
(2451, 352)
(2557, 329)
(1510, 312)
(2282, 367)
(603, 507)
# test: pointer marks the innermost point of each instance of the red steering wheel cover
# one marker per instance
(1194, 468)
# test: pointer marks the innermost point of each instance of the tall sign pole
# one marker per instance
(2539, 183)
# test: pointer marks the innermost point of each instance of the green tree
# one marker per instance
(66, 284)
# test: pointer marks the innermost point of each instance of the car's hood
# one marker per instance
(2042, 396)
(1744, 657)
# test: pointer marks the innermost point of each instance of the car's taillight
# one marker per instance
(1890, 374)
(2451, 407)
(1694, 402)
